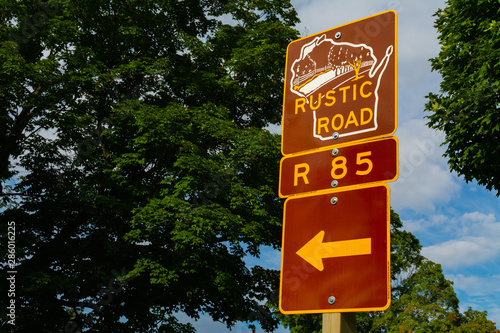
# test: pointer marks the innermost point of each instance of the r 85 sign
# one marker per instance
(362, 163)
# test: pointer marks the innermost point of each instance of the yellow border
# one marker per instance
(338, 189)
(388, 218)
(395, 78)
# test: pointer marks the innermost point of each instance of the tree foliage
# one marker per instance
(134, 162)
(422, 299)
(467, 108)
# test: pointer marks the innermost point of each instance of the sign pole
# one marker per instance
(339, 322)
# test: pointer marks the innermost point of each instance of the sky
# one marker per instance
(457, 223)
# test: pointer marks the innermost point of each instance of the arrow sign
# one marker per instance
(337, 248)
(314, 251)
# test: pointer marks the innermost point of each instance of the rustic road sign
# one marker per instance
(340, 85)
(336, 252)
(365, 162)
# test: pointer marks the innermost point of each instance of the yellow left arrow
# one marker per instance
(314, 251)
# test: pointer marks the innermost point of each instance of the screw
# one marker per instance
(335, 135)
(331, 300)
(335, 152)
(338, 34)
(334, 200)
(335, 183)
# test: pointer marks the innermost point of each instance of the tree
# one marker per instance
(134, 160)
(475, 321)
(468, 104)
(422, 299)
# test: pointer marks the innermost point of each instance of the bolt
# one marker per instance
(335, 152)
(338, 34)
(331, 300)
(335, 183)
(334, 200)
(335, 135)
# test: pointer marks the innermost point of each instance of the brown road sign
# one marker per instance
(340, 85)
(366, 162)
(336, 252)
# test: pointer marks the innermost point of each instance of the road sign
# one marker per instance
(340, 85)
(336, 252)
(365, 162)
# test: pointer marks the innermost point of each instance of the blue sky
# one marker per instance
(457, 223)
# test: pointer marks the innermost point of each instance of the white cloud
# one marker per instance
(473, 240)
(320, 15)
(416, 34)
(482, 293)
(475, 285)
(477, 223)
(422, 224)
(494, 314)
(479, 217)
(460, 253)
(424, 180)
